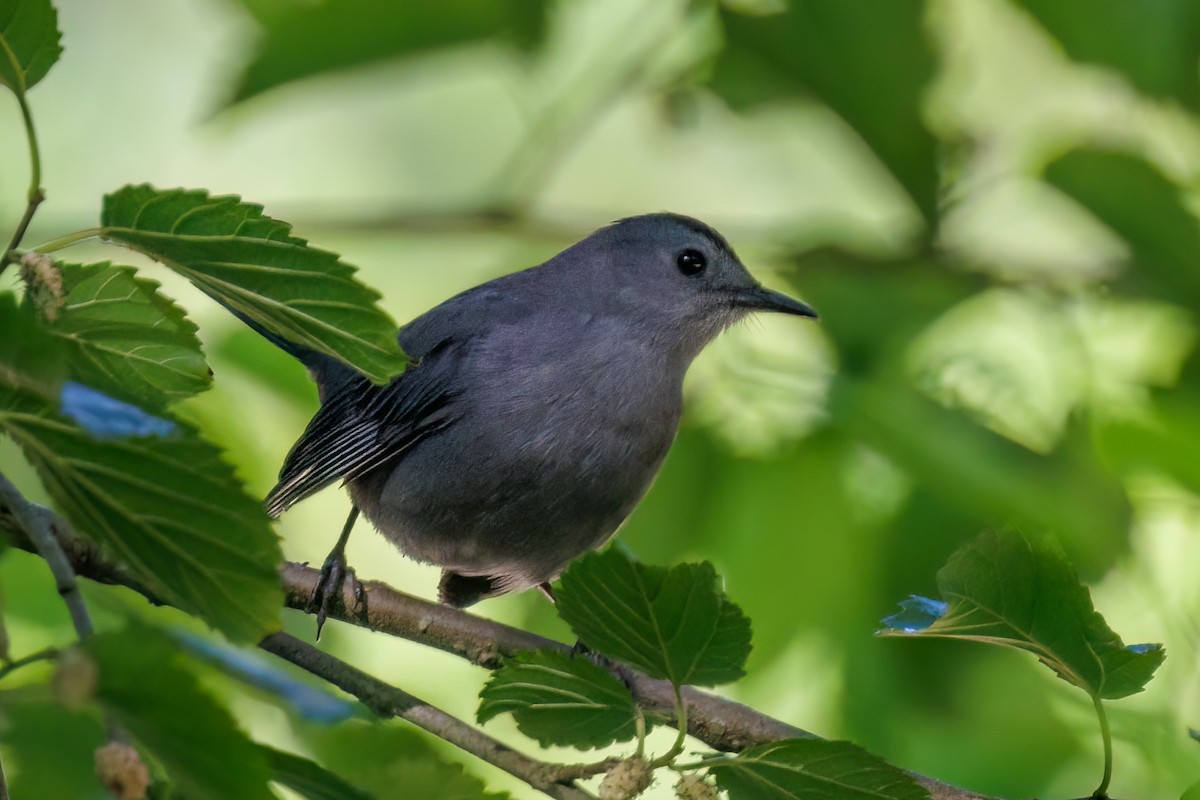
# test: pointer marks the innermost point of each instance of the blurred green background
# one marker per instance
(991, 203)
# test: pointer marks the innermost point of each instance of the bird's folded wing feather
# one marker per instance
(361, 426)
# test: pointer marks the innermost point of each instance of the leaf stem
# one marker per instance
(47, 654)
(67, 240)
(1106, 735)
(640, 723)
(35, 195)
(681, 723)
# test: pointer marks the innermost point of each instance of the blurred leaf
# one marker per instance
(106, 418)
(1146, 209)
(167, 508)
(333, 36)
(311, 703)
(307, 778)
(1164, 440)
(47, 749)
(29, 42)
(812, 769)
(31, 360)
(195, 739)
(394, 762)
(1192, 792)
(1006, 589)
(127, 340)
(253, 265)
(870, 62)
(671, 623)
(560, 699)
(970, 466)
(1154, 43)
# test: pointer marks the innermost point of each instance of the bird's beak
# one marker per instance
(759, 298)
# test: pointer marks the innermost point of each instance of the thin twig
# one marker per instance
(35, 195)
(47, 654)
(388, 701)
(720, 723)
(37, 527)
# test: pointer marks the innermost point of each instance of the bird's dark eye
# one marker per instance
(691, 262)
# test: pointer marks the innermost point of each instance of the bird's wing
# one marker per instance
(361, 426)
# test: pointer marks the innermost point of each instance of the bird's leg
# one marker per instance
(333, 574)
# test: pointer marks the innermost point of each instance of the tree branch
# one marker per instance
(722, 724)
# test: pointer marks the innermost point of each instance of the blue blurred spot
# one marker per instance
(1149, 647)
(106, 418)
(309, 702)
(916, 614)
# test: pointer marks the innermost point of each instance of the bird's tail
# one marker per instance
(323, 367)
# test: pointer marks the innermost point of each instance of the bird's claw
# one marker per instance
(328, 590)
(618, 670)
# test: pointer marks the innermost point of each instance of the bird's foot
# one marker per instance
(328, 591)
(618, 670)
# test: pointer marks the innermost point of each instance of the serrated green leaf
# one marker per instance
(29, 42)
(1006, 589)
(307, 778)
(1142, 206)
(812, 769)
(674, 623)
(125, 339)
(31, 360)
(205, 754)
(1154, 43)
(560, 699)
(870, 62)
(313, 39)
(254, 265)
(166, 507)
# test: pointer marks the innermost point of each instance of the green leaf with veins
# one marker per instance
(168, 508)
(29, 42)
(127, 340)
(560, 699)
(254, 265)
(31, 360)
(812, 769)
(144, 685)
(1006, 589)
(674, 624)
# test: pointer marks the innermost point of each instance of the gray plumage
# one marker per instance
(537, 409)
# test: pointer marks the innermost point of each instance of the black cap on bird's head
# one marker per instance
(678, 268)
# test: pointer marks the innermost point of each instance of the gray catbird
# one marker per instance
(536, 410)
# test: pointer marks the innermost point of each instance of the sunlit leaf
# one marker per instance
(255, 266)
(126, 339)
(812, 769)
(870, 62)
(1006, 589)
(560, 699)
(1154, 43)
(311, 39)
(307, 778)
(48, 749)
(1146, 209)
(166, 507)
(29, 42)
(144, 686)
(672, 623)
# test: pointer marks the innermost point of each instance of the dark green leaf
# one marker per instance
(127, 340)
(672, 623)
(870, 62)
(252, 264)
(157, 700)
(1141, 205)
(307, 778)
(560, 699)
(28, 42)
(47, 749)
(1155, 43)
(166, 507)
(1005, 589)
(812, 769)
(31, 360)
(334, 36)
